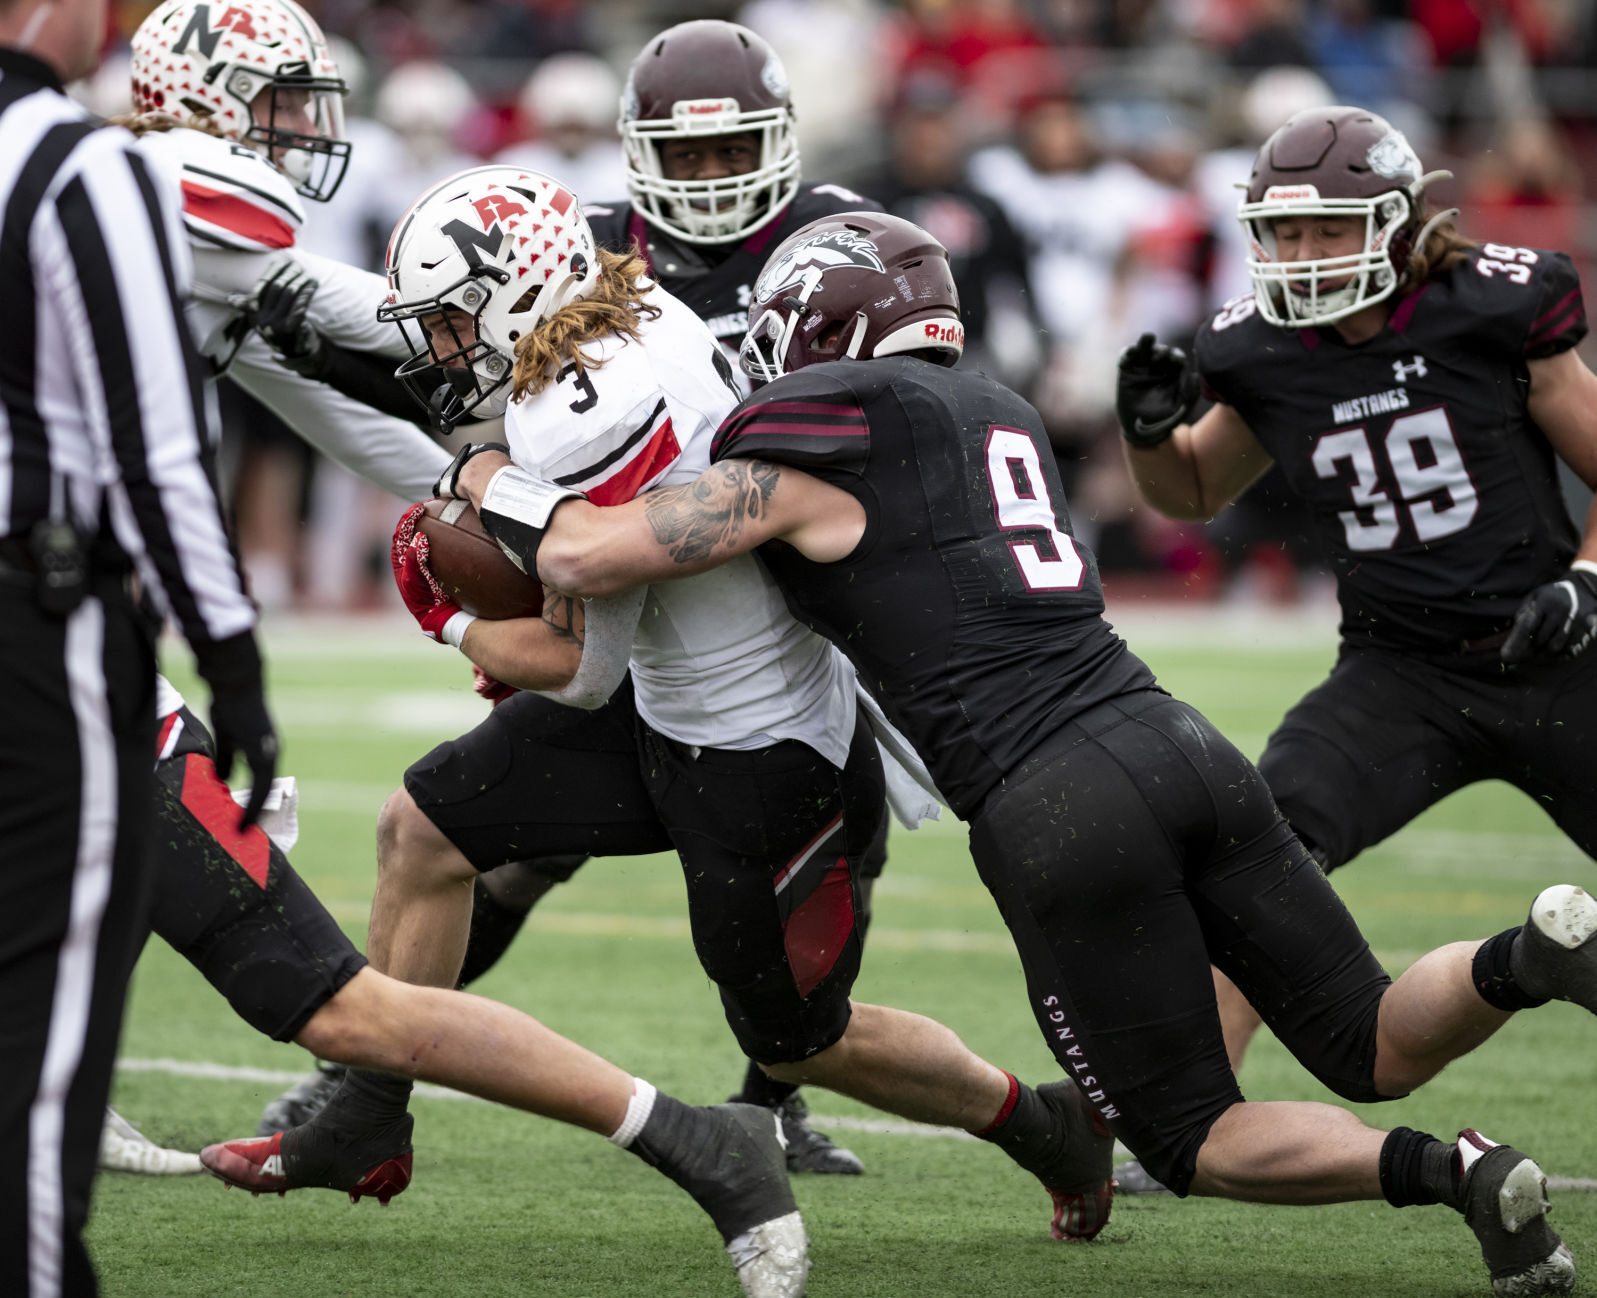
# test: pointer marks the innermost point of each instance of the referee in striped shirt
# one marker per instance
(105, 466)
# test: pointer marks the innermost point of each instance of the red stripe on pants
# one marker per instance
(208, 800)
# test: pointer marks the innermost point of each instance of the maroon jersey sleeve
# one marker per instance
(811, 420)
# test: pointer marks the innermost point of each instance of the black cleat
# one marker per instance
(302, 1101)
(1134, 1178)
(730, 1158)
(809, 1150)
(1505, 1204)
(1081, 1180)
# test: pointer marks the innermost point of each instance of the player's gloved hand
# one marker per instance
(424, 597)
(490, 687)
(448, 484)
(1558, 620)
(1155, 390)
(277, 310)
(242, 726)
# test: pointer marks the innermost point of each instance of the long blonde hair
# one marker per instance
(616, 307)
(158, 122)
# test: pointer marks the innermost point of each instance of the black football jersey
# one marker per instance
(1434, 496)
(968, 608)
(720, 293)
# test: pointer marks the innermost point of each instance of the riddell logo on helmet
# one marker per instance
(1283, 193)
(950, 332)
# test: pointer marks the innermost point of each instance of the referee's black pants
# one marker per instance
(77, 733)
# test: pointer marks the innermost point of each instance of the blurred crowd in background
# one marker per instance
(1079, 158)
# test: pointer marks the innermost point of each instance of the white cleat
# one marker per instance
(124, 1148)
(773, 1258)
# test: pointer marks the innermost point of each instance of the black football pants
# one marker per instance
(75, 780)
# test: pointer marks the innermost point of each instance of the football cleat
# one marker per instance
(124, 1148)
(1556, 954)
(302, 1101)
(1505, 1204)
(732, 1159)
(371, 1165)
(1134, 1178)
(809, 1150)
(1082, 1184)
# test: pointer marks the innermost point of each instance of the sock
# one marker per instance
(1036, 1136)
(758, 1088)
(372, 1098)
(1418, 1168)
(639, 1107)
(1500, 984)
(494, 925)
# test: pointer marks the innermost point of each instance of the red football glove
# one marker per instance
(491, 688)
(422, 594)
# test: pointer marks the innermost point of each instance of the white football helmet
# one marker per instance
(213, 59)
(503, 247)
(700, 79)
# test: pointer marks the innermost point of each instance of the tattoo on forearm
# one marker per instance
(563, 614)
(690, 521)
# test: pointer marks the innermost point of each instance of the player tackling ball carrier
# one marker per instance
(1127, 843)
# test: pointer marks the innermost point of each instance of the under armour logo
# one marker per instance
(1415, 369)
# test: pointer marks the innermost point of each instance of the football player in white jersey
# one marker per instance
(735, 741)
(254, 84)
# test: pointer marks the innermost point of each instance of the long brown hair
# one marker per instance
(1444, 248)
(616, 307)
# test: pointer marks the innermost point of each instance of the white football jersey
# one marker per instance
(718, 660)
(243, 219)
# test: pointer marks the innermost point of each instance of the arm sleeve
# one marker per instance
(366, 378)
(610, 624)
(112, 248)
(344, 309)
(393, 453)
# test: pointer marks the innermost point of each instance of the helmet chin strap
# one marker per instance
(852, 350)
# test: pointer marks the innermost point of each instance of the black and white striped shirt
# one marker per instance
(104, 413)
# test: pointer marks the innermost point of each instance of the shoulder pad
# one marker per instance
(606, 433)
(812, 418)
(611, 224)
(1527, 299)
(232, 196)
(1226, 341)
(815, 201)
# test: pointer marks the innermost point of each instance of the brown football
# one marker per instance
(471, 567)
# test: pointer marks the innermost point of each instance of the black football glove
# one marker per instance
(277, 311)
(1154, 391)
(242, 726)
(448, 485)
(1558, 620)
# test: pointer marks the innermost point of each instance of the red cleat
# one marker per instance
(256, 1165)
(1077, 1217)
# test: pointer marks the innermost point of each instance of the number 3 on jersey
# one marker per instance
(1442, 472)
(1020, 499)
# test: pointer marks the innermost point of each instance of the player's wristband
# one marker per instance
(515, 512)
(454, 630)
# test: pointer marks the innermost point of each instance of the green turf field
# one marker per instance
(507, 1204)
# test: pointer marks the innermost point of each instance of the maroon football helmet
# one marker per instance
(1333, 162)
(883, 279)
(699, 79)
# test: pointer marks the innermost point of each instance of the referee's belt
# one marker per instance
(20, 567)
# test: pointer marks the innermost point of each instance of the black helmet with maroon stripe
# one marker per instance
(852, 286)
